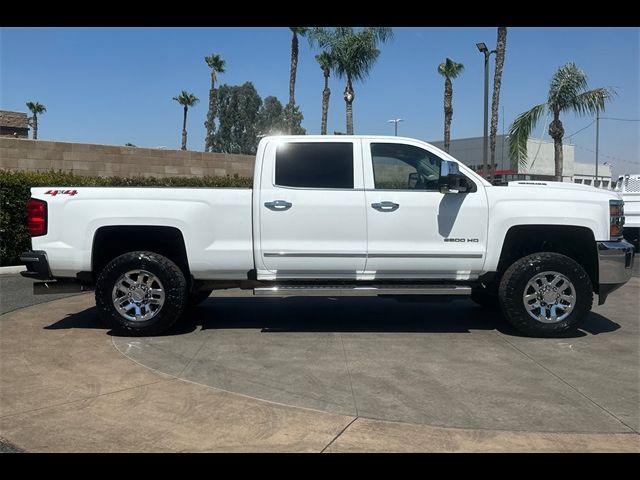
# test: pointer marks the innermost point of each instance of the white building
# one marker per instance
(540, 164)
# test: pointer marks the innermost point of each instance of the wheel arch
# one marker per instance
(112, 241)
(576, 242)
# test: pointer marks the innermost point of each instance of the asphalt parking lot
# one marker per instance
(372, 374)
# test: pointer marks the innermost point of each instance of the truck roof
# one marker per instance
(340, 137)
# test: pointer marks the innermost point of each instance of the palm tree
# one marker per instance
(216, 64)
(35, 108)
(354, 54)
(187, 100)
(295, 31)
(501, 46)
(567, 93)
(449, 70)
(326, 64)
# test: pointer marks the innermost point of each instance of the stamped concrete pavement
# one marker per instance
(455, 380)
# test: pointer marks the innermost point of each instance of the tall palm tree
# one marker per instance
(295, 31)
(567, 93)
(35, 108)
(501, 47)
(326, 64)
(216, 64)
(449, 70)
(187, 100)
(354, 54)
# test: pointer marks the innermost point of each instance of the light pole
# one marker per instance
(483, 49)
(395, 121)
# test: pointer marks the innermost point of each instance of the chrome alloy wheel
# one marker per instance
(138, 295)
(549, 297)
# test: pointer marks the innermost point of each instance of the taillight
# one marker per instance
(37, 217)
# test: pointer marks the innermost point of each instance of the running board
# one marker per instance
(358, 291)
(54, 287)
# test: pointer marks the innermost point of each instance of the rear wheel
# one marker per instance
(545, 294)
(141, 293)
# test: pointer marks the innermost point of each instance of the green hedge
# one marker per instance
(15, 191)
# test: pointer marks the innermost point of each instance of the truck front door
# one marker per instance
(414, 231)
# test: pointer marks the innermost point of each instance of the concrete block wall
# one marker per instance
(112, 160)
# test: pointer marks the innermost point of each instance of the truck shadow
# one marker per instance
(272, 315)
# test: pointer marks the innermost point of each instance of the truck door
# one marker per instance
(414, 231)
(311, 210)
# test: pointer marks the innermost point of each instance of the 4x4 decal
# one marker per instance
(53, 193)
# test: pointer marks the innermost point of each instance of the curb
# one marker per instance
(12, 270)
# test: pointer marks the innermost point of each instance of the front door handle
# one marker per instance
(278, 205)
(386, 206)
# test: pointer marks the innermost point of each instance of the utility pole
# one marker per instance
(597, 141)
(482, 47)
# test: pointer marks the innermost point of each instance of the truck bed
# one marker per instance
(215, 223)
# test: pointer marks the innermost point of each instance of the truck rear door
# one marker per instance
(309, 212)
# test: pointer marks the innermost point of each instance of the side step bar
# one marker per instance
(53, 287)
(359, 290)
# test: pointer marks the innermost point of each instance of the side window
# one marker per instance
(315, 165)
(404, 167)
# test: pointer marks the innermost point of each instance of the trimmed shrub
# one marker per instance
(15, 190)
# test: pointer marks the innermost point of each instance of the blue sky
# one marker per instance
(115, 85)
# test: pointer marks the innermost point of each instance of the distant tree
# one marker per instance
(326, 65)
(293, 119)
(187, 100)
(271, 118)
(239, 120)
(129, 145)
(36, 108)
(354, 53)
(567, 93)
(295, 32)
(449, 70)
(217, 65)
(501, 47)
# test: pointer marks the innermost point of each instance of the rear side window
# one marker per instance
(315, 165)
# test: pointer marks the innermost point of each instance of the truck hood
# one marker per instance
(544, 185)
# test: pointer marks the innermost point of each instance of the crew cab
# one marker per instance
(335, 215)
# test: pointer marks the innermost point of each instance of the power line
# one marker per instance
(575, 133)
(621, 119)
(608, 156)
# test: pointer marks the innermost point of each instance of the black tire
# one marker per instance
(173, 283)
(196, 298)
(518, 275)
(485, 297)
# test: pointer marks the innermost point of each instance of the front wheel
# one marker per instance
(141, 293)
(545, 294)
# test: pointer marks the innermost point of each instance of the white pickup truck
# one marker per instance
(329, 216)
(628, 186)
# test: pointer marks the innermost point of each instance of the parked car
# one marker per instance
(336, 215)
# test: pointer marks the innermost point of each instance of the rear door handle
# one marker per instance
(386, 206)
(278, 205)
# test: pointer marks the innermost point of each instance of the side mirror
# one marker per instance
(451, 178)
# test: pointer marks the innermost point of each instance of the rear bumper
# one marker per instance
(615, 263)
(37, 265)
(38, 268)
